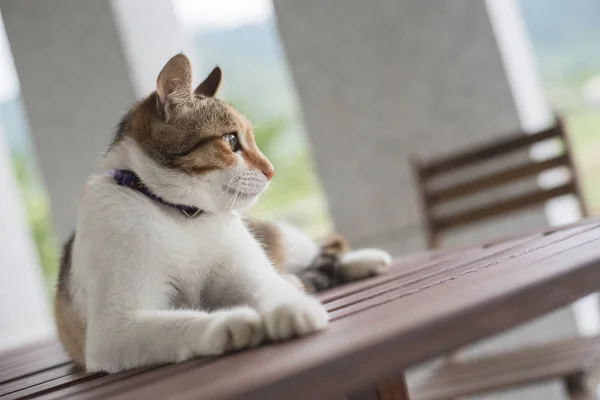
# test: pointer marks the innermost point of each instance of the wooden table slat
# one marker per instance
(426, 277)
(41, 389)
(406, 274)
(32, 359)
(471, 254)
(417, 264)
(37, 378)
(102, 386)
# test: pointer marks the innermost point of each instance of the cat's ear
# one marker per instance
(210, 85)
(174, 83)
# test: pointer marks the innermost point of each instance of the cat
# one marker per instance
(161, 267)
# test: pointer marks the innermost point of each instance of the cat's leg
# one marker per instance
(362, 263)
(325, 265)
(129, 319)
(126, 341)
(286, 309)
(289, 249)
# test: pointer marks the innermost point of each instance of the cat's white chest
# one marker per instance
(179, 254)
(189, 250)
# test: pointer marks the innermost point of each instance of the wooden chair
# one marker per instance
(569, 359)
(425, 171)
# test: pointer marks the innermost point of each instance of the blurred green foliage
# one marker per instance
(294, 194)
(583, 125)
(37, 209)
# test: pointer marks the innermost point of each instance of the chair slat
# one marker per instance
(496, 148)
(496, 179)
(517, 367)
(502, 207)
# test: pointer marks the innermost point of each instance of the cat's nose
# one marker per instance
(269, 172)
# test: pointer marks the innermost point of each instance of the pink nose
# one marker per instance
(269, 173)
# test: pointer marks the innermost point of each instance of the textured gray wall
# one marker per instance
(381, 79)
(75, 87)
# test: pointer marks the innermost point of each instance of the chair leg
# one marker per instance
(578, 387)
(451, 358)
(393, 389)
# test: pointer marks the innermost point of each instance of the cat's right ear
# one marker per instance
(211, 84)
(174, 85)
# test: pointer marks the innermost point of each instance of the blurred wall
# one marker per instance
(381, 80)
(81, 65)
(75, 85)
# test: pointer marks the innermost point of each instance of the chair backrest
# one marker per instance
(432, 198)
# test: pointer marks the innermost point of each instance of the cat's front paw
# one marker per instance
(294, 317)
(362, 263)
(234, 329)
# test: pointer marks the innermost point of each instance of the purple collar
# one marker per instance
(127, 178)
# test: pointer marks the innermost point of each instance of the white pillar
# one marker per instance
(151, 35)
(519, 64)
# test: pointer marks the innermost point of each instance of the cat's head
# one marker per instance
(189, 147)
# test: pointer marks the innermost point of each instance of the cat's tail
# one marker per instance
(316, 266)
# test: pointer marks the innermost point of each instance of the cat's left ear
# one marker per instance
(174, 85)
(210, 85)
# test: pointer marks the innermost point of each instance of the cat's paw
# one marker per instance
(362, 263)
(235, 329)
(295, 317)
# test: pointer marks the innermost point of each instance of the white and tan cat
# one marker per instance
(143, 282)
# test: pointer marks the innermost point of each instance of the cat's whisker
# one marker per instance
(228, 202)
(229, 185)
(237, 193)
(231, 201)
(235, 176)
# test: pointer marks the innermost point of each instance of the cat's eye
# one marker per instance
(232, 140)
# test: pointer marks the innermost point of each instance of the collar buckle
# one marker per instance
(193, 213)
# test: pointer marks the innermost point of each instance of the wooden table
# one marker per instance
(425, 306)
